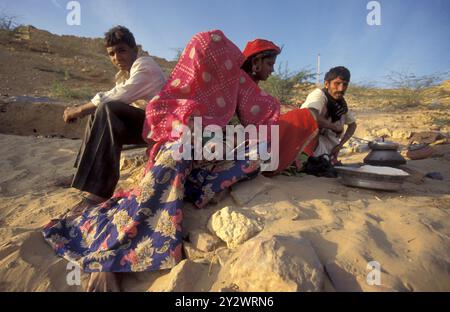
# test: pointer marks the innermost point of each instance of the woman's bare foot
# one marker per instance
(103, 282)
(79, 208)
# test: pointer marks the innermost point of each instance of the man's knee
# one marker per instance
(112, 106)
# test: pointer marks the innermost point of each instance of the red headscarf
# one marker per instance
(259, 45)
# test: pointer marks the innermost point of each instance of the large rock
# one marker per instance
(277, 263)
(244, 192)
(233, 227)
(182, 278)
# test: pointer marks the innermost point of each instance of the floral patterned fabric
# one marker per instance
(142, 232)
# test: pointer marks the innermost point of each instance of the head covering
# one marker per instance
(208, 82)
(259, 45)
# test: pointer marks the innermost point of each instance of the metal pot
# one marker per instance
(384, 154)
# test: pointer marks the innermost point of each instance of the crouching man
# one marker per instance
(331, 113)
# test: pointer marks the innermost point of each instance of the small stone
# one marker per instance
(346, 151)
(434, 176)
(233, 227)
(401, 134)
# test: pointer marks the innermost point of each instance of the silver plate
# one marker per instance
(370, 180)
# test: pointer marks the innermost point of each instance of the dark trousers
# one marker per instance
(98, 162)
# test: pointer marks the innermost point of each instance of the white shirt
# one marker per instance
(145, 81)
(328, 139)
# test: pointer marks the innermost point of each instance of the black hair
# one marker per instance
(336, 72)
(248, 64)
(119, 34)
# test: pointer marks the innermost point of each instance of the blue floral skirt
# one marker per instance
(141, 230)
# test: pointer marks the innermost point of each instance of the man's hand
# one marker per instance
(71, 114)
(337, 127)
(335, 151)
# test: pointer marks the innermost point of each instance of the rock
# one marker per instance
(233, 227)
(401, 134)
(277, 263)
(434, 176)
(203, 241)
(346, 151)
(384, 132)
(244, 192)
(369, 138)
(361, 148)
(183, 277)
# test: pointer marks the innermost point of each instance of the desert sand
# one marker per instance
(407, 232)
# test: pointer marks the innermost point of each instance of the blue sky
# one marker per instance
(414, 35)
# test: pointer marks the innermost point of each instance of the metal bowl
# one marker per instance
(351, 177)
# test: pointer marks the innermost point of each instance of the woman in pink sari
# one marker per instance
(140, 230)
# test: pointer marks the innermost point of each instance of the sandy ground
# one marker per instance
(407, 232)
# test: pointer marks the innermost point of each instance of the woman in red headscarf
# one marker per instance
(298, 127)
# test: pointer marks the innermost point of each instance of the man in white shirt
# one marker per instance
(116, 117)
(331, 112)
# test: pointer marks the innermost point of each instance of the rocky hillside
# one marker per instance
(62, 67)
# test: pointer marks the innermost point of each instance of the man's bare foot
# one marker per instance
(103, 282)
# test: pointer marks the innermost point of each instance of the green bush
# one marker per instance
(284, 84)
(61, 91)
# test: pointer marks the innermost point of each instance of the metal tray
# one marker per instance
(368, 180)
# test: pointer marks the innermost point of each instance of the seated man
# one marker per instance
(331, 113)
(116, 117)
